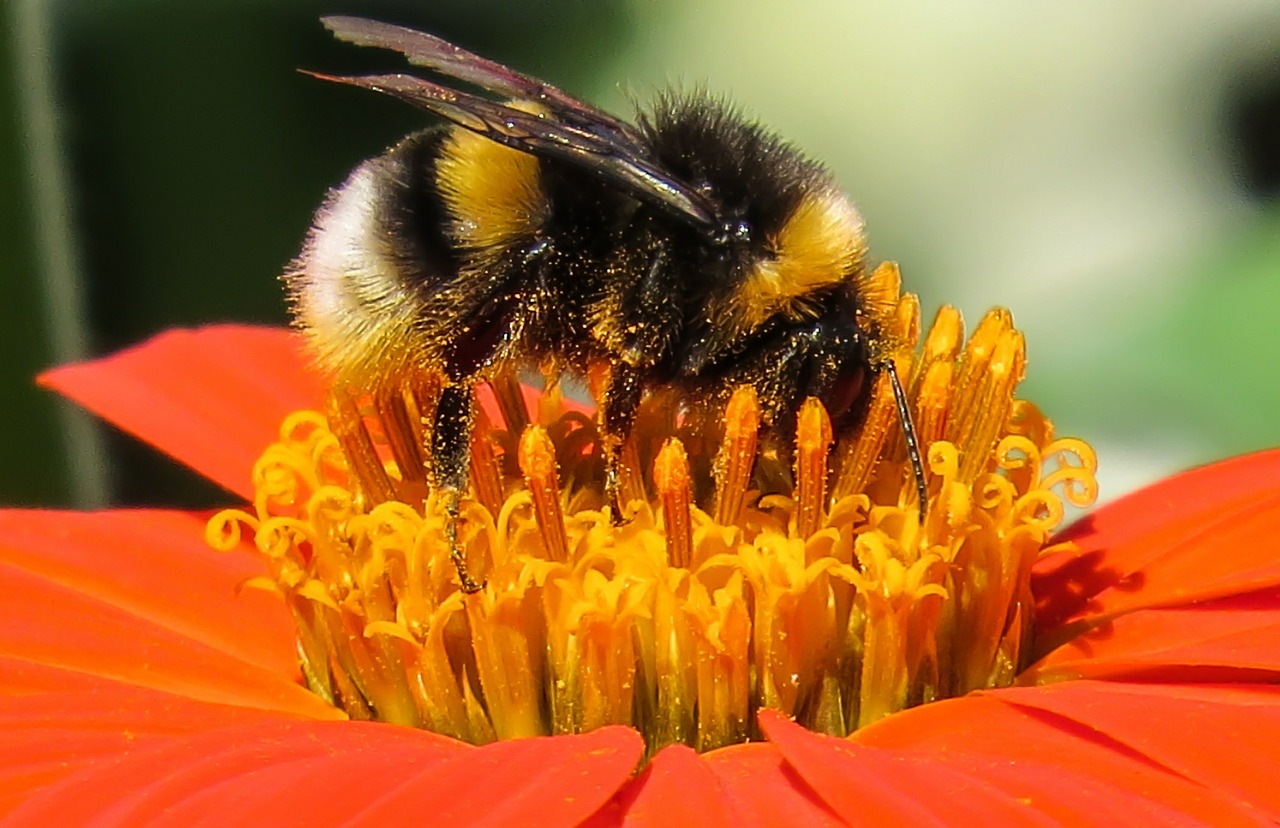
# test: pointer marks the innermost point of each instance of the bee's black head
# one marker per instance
(753, 178)
(784, 236)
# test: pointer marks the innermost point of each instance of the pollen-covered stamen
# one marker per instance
(899, 595)
(671, 479)
(813, 441)
(402, 426)
(630, 478)
(861, 452)
(932, 383)
(537, 459)
(931, 402)
(348, 426)
(943, 344)
(737, 456)
(1004, 372)
(906, 328)
(486, 474)
(971, 376)
(991, 367)
(506, 390)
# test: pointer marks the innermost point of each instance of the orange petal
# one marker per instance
(549, 780)
(871, 786)
(1030, 748)
(676, 788)
(211, 398)
(1223, 737)
(271, 773)
(1068, 798)
(136, 597)
(46, 735)
(1202, 535)
(744, 786)
(761, 789)
(1230, 639)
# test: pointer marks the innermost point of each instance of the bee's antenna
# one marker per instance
(908, 431)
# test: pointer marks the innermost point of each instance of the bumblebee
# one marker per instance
(692, 250)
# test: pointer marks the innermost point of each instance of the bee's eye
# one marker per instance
(734, 231)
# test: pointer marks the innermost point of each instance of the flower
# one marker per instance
(828, 599)
(144, 683)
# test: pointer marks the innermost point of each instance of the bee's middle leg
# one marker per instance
(451, 457)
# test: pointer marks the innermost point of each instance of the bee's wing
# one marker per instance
(441, 56)
(610, 157)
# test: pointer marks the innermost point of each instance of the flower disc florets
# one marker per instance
(741, 581)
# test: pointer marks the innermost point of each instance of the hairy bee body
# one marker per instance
(456, 253)
(691, 250)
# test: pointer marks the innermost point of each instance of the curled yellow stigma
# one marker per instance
(825, 596)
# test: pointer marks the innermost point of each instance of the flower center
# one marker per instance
(743, 580)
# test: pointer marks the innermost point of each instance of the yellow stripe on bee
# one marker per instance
(821, 244)
(493, 193)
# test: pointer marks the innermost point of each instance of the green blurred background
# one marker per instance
(1110, 171)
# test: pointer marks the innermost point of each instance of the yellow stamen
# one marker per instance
(353, 436)
(829, 600)
(486, 473)
(737, 453)
(813, 440)
(402, 425)
(630, 479)
(671, 479)
(537, 460)
(506, 389)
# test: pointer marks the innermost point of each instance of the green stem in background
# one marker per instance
(58, 260)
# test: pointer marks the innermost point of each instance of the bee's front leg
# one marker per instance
(618, 405)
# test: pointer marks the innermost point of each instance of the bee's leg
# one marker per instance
(648, 317)
(617, 413)
(794, 375)
(826, 360)
(451, 454)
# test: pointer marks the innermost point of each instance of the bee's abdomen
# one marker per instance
(378, 252)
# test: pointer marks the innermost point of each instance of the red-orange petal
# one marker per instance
(871, 786)
(676, 787)
(211, 397)
(1223, 737)
(761, 789)
(1203, 535)
(1026, 748)
(1068, 798)
(269, 773)
(135, 597)
(744, 786)
(49, 734)
(544, 781)
(1229, 639)
(324, 773)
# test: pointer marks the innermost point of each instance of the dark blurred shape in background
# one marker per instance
(1252, 105)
